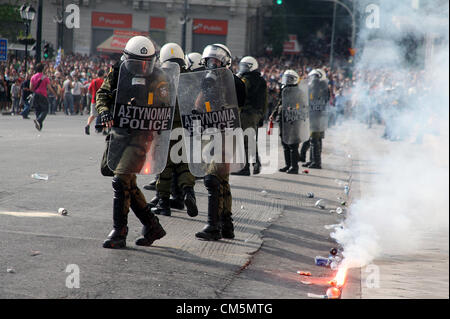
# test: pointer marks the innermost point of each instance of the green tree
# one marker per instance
(278, 30)
(10, 21)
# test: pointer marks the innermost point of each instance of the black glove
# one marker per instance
(106, 117)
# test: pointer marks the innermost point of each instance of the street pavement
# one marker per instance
(278, 229)
(282, 227)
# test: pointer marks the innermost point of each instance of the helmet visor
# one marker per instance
(217, 53)
(213, 63)
(288, 79)
(245, 67)
(140, 67)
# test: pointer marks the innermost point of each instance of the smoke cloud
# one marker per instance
(408, 196)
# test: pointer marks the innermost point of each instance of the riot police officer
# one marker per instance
(141, 55)
(252, 114)
(193, 62)
(220, 224)
(319, 97)
(176, 174)
(290, 78)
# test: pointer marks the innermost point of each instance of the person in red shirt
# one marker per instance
(93, 88)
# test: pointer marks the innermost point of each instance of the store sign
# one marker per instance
(157, 23)
(112, 20)
(204, 26)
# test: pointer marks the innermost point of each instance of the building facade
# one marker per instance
(106, 25)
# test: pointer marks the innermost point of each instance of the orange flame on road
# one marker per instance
(339, 279)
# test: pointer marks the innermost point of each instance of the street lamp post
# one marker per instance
(27, 13)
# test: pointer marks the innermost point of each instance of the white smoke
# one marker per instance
(409, 198)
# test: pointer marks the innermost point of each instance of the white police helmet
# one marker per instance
(290, 77)
(248, 64)
(219, 52)
(319, 73)
(141, 51)
(193, 60)
(172, 52)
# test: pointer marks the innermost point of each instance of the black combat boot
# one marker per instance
(311, 154)
(287, 159)
(154, 201)
(163, 207)
(226, 223)
(177, 197)
(190, 201)
(152, 229)
(294, 161)
(304, 149)
(118, 236)
(257, 166)
(151, 186)
(176, 202)
(316, 151)
(212, 230)
(243, 172)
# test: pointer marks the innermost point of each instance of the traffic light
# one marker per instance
(46, 51)
(279, 2)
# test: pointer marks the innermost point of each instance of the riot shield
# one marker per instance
(210, 117)
(318, 104)
(143, 117)
(295, 114)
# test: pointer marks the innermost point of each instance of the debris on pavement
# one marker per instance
(43, 177)
(317, 296)
(35, 253)
(306, 282)
(346, 190)
(303, 273)
(10, 271)
(310, 195)
(328, 227)
(264, 192)
(322, 261)
(339, 210)
(333, 251)
(320, 204)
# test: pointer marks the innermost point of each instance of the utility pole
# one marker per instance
(183, 31)
(332, 36)
(63, 23)
(39, 32)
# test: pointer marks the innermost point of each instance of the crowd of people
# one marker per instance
(365, 95)
(69, 79)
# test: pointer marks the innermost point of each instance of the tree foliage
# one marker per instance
(11, 24)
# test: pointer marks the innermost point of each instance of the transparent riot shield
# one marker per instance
(143, 117)
(318, 103)
(210, 117)
(295, 114)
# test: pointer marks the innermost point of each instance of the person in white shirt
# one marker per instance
(68, 97)
(76, 92)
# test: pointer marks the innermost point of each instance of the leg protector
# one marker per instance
(212, 230)
(190, 201)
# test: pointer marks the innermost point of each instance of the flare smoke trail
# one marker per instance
(409, 198)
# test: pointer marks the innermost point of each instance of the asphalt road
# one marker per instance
(278, 231)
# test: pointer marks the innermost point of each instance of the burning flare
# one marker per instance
(339, 279)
